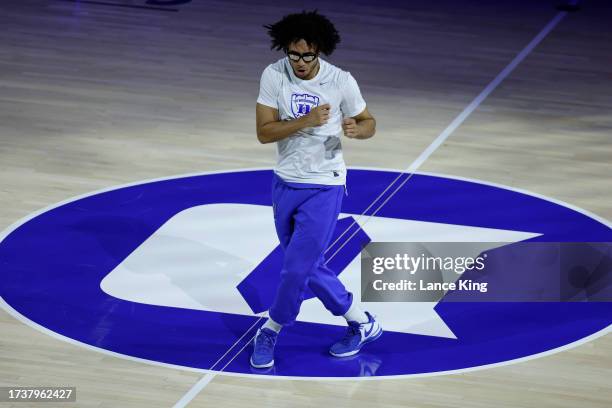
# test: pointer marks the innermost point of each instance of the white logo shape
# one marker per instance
(198, 257)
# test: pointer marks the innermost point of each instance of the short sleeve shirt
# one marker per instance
(312, 155)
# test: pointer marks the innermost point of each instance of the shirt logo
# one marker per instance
(301, 104)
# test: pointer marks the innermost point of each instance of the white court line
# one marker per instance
(410, 171)
(237, 341)
(195, 390)
(454, 125)
(203, 382)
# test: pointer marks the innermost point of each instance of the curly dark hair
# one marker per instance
(310, 26)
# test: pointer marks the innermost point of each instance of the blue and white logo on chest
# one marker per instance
(302, 103)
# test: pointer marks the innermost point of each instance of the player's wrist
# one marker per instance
(306, 121)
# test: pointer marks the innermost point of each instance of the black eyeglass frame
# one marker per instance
(302, 56)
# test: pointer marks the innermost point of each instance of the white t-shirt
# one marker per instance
(312, 155)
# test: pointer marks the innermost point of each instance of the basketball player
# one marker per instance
(301, 104)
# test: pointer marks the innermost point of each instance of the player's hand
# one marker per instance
(349, 126)
(319, 115)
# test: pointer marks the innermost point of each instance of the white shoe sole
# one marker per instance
(270, 364)
(347, 354)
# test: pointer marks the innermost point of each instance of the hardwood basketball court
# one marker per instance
(100, 94)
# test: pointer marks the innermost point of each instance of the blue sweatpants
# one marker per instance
(305, 217)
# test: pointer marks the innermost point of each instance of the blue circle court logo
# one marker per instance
(176, 271)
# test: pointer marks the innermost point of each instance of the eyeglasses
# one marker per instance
(296, 56)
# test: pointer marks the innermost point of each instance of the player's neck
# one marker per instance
(315, 71)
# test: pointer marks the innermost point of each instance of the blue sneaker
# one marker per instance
(263, 350)
(356, 336)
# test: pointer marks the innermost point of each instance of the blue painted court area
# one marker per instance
(52, 266)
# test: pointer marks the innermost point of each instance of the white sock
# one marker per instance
(272, 325)
(355, 314)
